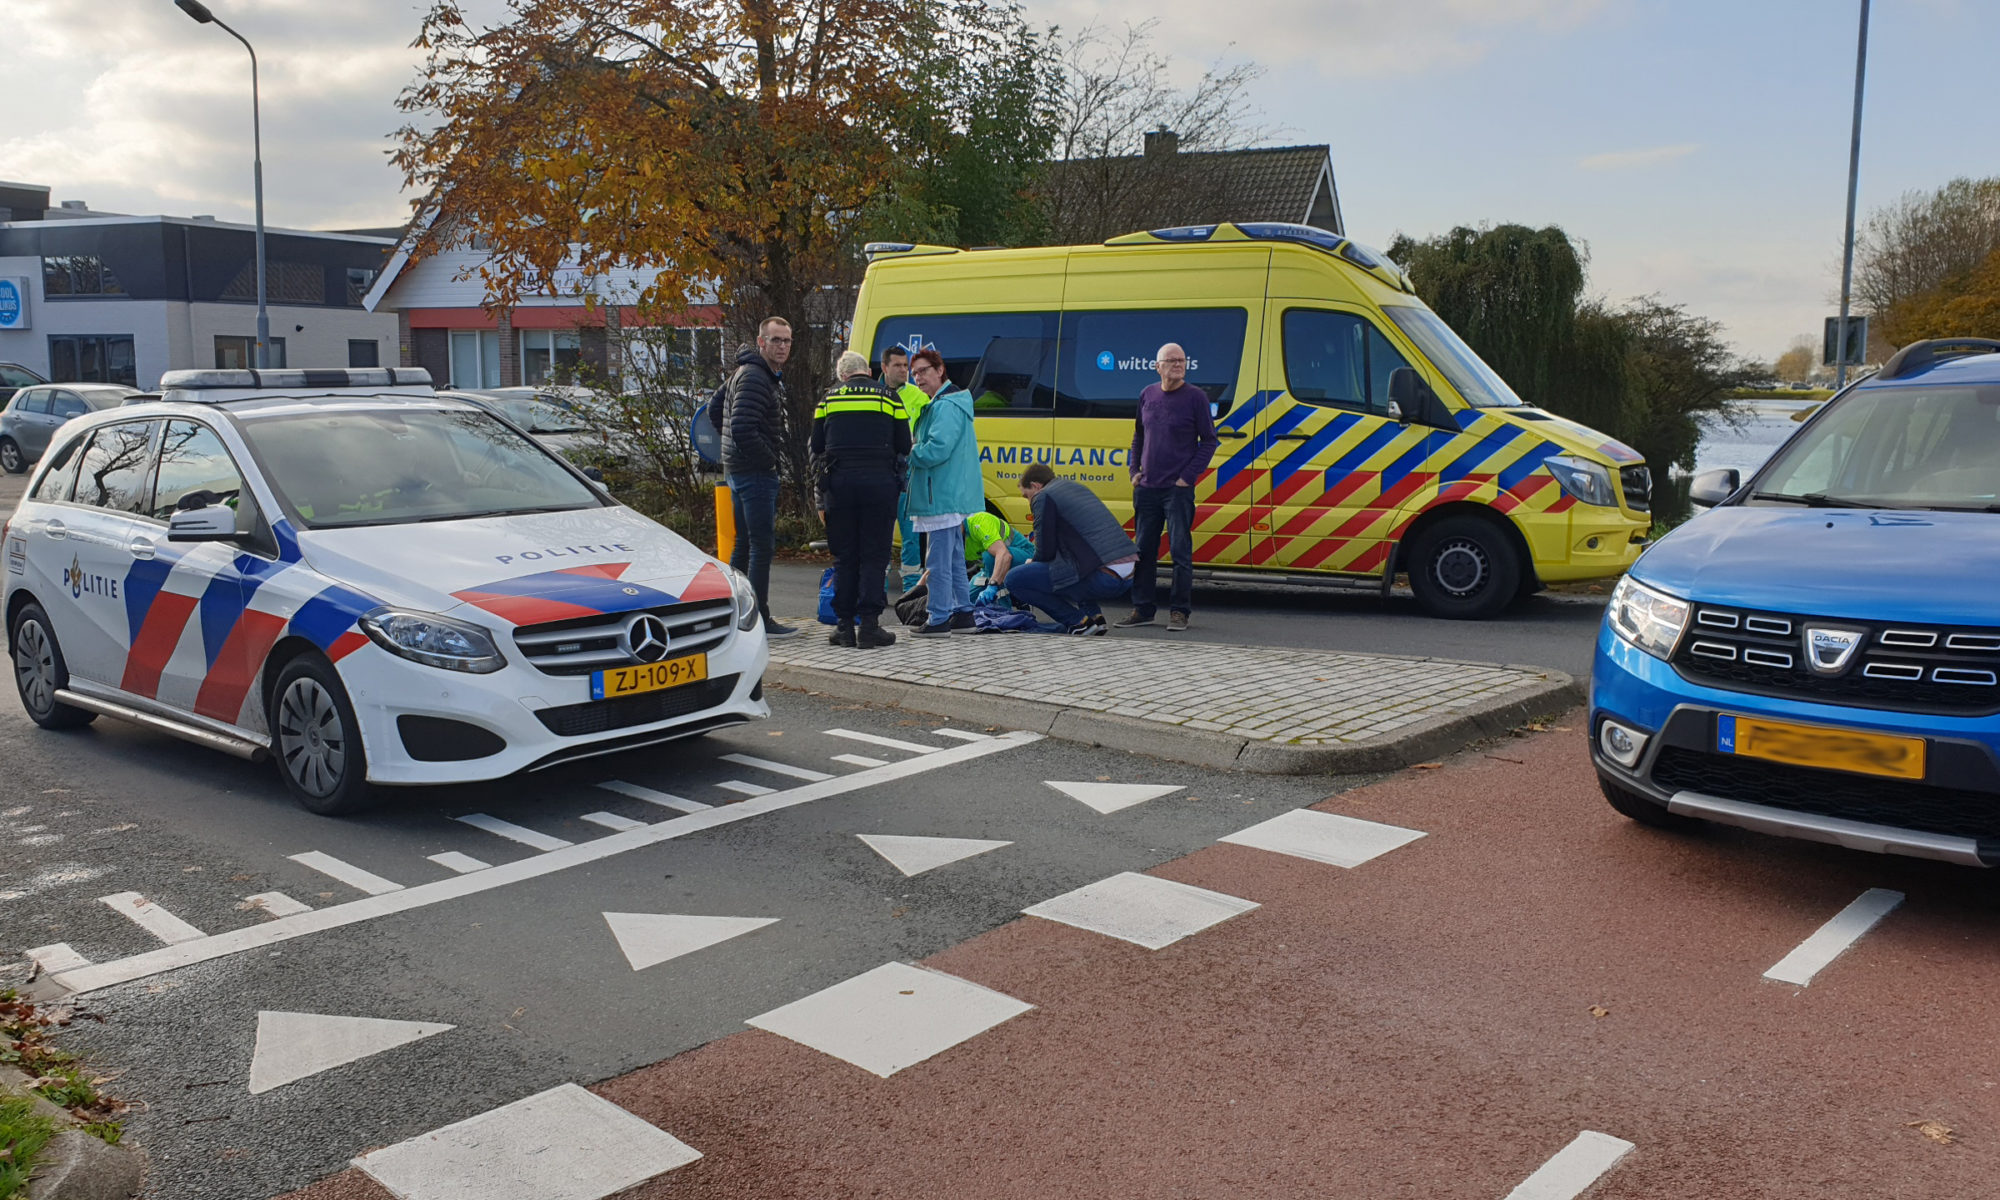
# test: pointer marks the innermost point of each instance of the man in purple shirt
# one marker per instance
(1172, 441)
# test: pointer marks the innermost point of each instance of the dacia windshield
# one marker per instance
(351, 468)
(1894, 447)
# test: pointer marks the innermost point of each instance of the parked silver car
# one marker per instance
(13, 377)
(35, 413)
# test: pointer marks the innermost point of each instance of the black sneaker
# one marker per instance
(963, 623)
(1092, 626)
(842, 635)
(1135, 619)
(871, 637)
(942, 629)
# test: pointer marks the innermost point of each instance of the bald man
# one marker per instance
(1172, 442)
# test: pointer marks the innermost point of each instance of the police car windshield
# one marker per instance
(1904, 446)
(1475, 381)
(338, 470)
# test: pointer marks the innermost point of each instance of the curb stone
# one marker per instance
(1552, 693)
(75, 1165)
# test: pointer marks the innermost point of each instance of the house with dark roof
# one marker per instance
(1091, 199)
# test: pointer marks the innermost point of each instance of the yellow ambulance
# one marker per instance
(1360, 437)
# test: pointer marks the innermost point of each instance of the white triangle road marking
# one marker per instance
(1110, 797)
(649, 939)
(915, 855)
(292, 1045)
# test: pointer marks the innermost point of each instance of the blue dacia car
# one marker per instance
(1818, 654)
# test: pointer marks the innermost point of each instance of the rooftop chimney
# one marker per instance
(80, 206)
(1161, 142)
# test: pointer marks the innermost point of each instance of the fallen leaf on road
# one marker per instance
(907, 993)
(1426, 766)
(240, 878)
(774, 733)
(1598, 1010)
(1536, 727)
(1936, 1131)
(1104, 779)
(1497, 758)
(897, 912)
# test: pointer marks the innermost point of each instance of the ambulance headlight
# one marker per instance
(1588, 481)
(433, 640)
(746, 600)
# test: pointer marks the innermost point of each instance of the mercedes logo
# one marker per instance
(646, 638)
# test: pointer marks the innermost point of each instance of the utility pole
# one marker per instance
(1853, 180)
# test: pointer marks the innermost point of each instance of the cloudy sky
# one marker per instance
(1699, 147)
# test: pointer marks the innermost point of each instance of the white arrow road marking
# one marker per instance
(649, 939)
(776, 768)
(876, 739)
(152, 918)
(452, 860)
(513, 832)
(562, 1144)
(1324, 837)
(1574, 1168)
(277, 904)
(677, 803)
(347, 873)
(291, 1046)
(337, 916)
(1835, 937)
(1110, 797)
(915, 855)
(58, 956)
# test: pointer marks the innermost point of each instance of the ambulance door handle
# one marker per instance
(56, 530)
(141, 547)
(1231, 434)
(1292, 437)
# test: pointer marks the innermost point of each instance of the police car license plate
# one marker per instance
(1821, 746)
(648, 677)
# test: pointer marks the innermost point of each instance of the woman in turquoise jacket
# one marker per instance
(945, 489)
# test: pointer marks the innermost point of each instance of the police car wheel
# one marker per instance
(39, 670)
(11, 457)
(1464, 568)
(1640, 809)
(316, 739)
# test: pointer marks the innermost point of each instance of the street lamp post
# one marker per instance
(1853, 177)
(199, 11)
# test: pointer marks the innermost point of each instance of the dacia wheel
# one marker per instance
(11, 458)
(316, 739)
(1642, 810)
(1464, 568)
(39, 671)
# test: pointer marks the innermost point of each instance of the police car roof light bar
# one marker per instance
(289, 380)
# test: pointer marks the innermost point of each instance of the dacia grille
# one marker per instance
(1637, 483)
(1947, 670)
(581, 645)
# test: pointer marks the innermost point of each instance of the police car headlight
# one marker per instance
(433, 640)
(1588, 481)
(1650, 620)
(746, 600)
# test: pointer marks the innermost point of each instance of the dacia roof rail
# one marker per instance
(1367, 258)
(1918, 355)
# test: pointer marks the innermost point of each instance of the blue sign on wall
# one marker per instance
(13, 303)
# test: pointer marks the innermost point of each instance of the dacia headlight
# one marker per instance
(1650, 620)
(1588, 481)
(746, 600)
(433, 640)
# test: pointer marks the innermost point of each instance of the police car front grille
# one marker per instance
(1637, 483)
(601, 716)
(1899, 666)
(1959, 812)
(582, 645)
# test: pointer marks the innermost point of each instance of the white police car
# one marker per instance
(373, 583)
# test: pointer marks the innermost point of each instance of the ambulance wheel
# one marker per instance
(11, 458)
(39, 671)
(317, 740)
(1464, 569)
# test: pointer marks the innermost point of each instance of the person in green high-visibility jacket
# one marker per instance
(860, 449)
(896, 378)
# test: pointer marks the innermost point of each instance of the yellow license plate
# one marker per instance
(1823, 747)
(648, 677)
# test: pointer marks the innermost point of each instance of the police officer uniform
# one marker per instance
(860, 444)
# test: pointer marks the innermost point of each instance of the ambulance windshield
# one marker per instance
(1475, 381)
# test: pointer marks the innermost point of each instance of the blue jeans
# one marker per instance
(913, 543)
(1030, 583)
(950, 591)
(754, 496)
(1151, 508)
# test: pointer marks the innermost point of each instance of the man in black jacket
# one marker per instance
(860, 443)
(1082, 555)
(753, 449)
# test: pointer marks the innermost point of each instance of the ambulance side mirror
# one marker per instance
(1411, 399)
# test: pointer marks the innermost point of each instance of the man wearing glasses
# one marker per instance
(1172, 442)
(753, 449)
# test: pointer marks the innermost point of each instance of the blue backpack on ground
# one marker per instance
(826, 616)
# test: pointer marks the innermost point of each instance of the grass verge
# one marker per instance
(56, 1075)
(23, 1133)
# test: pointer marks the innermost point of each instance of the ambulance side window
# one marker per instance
(1338, 360)
(1107, 357)
(1006, 360)
(117, 469)
(194, 460)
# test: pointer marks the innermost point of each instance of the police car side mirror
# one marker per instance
(593, 474)
(213, 523)
(1711, 488)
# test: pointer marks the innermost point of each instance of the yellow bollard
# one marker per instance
(725, 523)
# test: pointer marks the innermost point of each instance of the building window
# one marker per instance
(79, 275)
(475, 358)
(284, 283)
(236, 353)
(359, 280)
(93, 358)
(549, 356)
(363, 353)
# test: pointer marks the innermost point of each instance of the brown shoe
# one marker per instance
(1177, 622)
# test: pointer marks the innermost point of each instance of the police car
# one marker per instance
(367, 581)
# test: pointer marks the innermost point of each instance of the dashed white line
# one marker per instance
(859, 760)
(464, 864)
(876, 739)
(347, 873)
(1834, 937)
(277, 904)
(1574, 1168)
(152, 918)
(663, 799)
(776, 768)
(612, 821)
(513, 832)
(963, 735)
(58, 956)
(748, 789)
